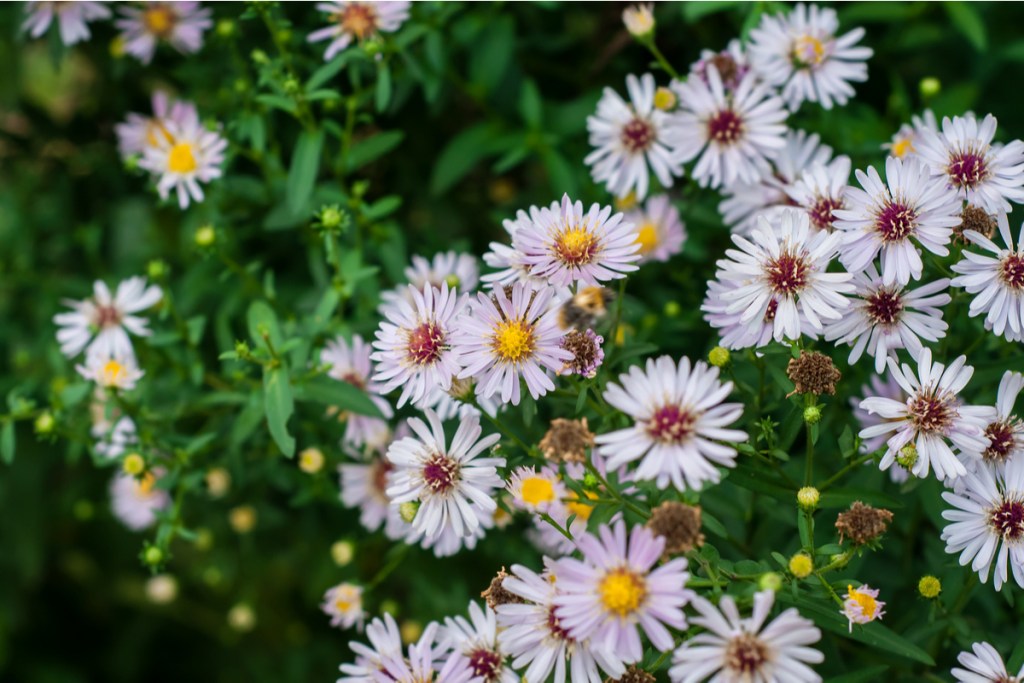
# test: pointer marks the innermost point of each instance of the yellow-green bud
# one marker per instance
(342, 552)
(801, 565)
(218, 481)
(907, 456)
(672, 309)
(769, 581)
(45, 423)
(242, 618)
(812, 415)
(807, 497)
(242, 518)
(719, 356)
(153, 556)
(291, 85)
(452, 280)
(410, 631)
(225, 27)
(133, 464)
(408, 510)
(205, 236)
(260, 57)
(389, 607)
(929, 587)
(930, 87)
(331, 217)
(311, 460)
(590, 480)
(665, 99)
(82, 510)
(204, 539)
(156, 269)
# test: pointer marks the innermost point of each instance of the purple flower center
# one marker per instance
(379, 471)
(637, 135)
(1011, 270)
(769, 313)
(485, 663)
(967, 169)
(885, 306)
(787, 273)
(1000, 441)
(895, 222)
(107, 316)
(671, 424)
(725, 127)
(440, 473)
(426, 343)
(555, 627)
(931, 413)
(746, 654)
(1007, 519)
(820, 212)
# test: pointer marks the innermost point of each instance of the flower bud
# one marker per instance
(672, 309)
(801, 565)
(665, 99)
(929, 587)
(410, 631)
(156, 269)
(225, 28)
(259, 57)
(769, 581)
(45, 423)
(719, 356)
(930, 87)
(218, 481)
(812, 415)
(342, 552)
(807, 498)
(205, 236)
(639, 20)
(153, 556)
(242, 519)
(133, 464)
(311, 460)
(162, 589)
(408, 510)
(907, 456)
(242, 618)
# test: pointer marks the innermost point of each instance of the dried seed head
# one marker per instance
(976, 219)
(679, 524)
(587, 354)
(496, 595)
(813, 373)
(862, 523)
(567, 440)
(633, 674)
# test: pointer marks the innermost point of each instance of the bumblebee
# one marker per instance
(585, 308)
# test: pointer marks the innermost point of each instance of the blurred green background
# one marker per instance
(492, 100)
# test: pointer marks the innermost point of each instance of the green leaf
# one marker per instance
(1016, 658)
(460, 155)
(712, 524)
(7, 442)
(871, 673)
(694, 11)
(262, 320)
(333, 392)
(279, 406)
(304, 169)
(383, 207)
(383, 93)
(530, 106)
(493, 53)
(965, 17)
(371, 149)
(330, 70)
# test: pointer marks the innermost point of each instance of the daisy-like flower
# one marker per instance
(507, 260)
(984, 665)
(885, 387)
(987, 522)
(534, 635)
(536, 491)
(344, 605)
(785, 263)
(100, 325)
(357, 21)
(861, 605)
(679, 417)
(385, 643)
(351, 363)
(414, 343)
(511, 336)
(734, 134)
(477, 640)
(884, 217)
(453, 486)
(731, 63)
(963, 155)
(136, 501)
(884, 318)
(904, 143)
(364, 487)
(111, 372)
(734, 649)
(72, 18)
(996, 281)
(113, 438)
(427, 663)
(566, 245)
(615, 590)
(447, 543)
(180, 24)
(1005, 431)
(457, 270)
(140, 132)
(744, 202)
(820, 190)
(931, 416)
(801, 54)
(630, 140)
(659, 230)
(188, 155)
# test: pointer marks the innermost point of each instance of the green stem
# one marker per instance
(628, 504)
(649, 44)
(846, 470)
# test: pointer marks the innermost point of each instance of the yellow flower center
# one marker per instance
(537, 490)
(902, 147)
(145, 485)
(159, 20)
(628, 202)
(664, 99)
(513, 340)
(808, 50)
(622, 591)
(181, 158)
(868, 605)
(576, 246)
(581, 510)
(647, 237)
(111, 373)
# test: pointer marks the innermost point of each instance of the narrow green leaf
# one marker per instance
(332, 392)
(279, 406)
(694, 11)
(304, 169)
(530, 107)
(262, 320)
(1016, 658)
(371, 149)
(460, 155)
(383, 93)
(7, 442)
(330, 70)
(965, 17)
(871, 673)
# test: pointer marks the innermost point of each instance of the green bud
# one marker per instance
(45, 423)
(372, 47)
(205, 236)
(907, 456)
(930, 87)
(769, 581)
(452, 280)
(260, 57)
(812, 415)
(291, 85)
(672, 309)
(225, 28)
(807, 497)
(389, 607)
(82, 510)
(241, 85)
(242, 349)
(156, 269)
(331, 217)
(153, 556)
(408, 510)
(590, 481)
(719, 356)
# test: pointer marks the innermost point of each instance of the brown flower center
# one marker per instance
(884, 306)
(931, 413)
(358, 18)
(671, 424)
(485, 663)
(441, 473)
(1007, 520)
(821, 212)
(787, 273)
(426, 344)
(1001, 441)
(1011, 270)
(895, 222)
(637, 135)
(725, 127)
(746, 654)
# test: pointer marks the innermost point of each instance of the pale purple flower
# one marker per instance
(903, 144)
(861, 605)
(659, 230)
(358, 21)
(136, 501)
(140, 132)
(457, 270)
(72, 18)
(984, 665)
(820, 190)
(364, 486)
(188, 155)
(428, 661)
(385, 642)
(1005, 430)
(111, 372)
(886, 387)
(351, 363)
(732, 65)
(476, 639)
(100, 325)
(180, 24)
(344, 605)
(996, 280)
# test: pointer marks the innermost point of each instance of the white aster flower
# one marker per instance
(744, 202)
(428, 661)
(506, 259)
(997, 281)
(358, 20)
(802, 54)
(100, 325)
(188, 155)
(821, 190)
(732, 65)
(364, 487)
(453, 486)
(72, 18)
(734, 134)
(447, 542)
(886, 387)
(784, 264)
(987, 522)
(114, 435)
(385, 642)
(140, 132)
(414, 343)
(631, 139)
(477, 640)
(344, 605)
(679, 418)
(904, 143)
(884, 217)
(136, 501)
(931, 416)
(506, 337)
(111, 372)
(861, 605)
(734, 649)
(884, 318)
(1005, 430)
(535, 637)
(984, 665)
(181, 24)
(659, 230)
(351, 363)
(963, 156)
(459, 271)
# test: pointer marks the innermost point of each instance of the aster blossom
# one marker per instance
(680, 416)
(883, 386)
(385, 641)
(904, 142)
(136, 501)
(732, 65)
(506, 337)
(457, 270)
(996, 280)
(1005, 429)
(802, 54)
(188, 155)
(659, 230)
(428, 661)
(734, 134)
(983, 665)
(140, 132)
(962, 155)
(567, 245)
(476, 639)
(357, 20)
(885, 218)
(861, 605)
(820, 190)
(100, 325)
(350, 362)
(987, 522)
(364, 487)
(736, 649)
(453, 486)
(180, 24)
(344, 605)
(111, 372)
(72, 18)
(931, 416)
(781, 271)
(630, 140)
